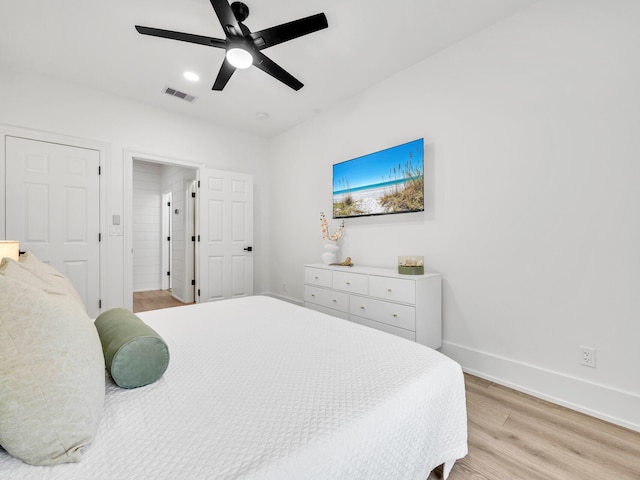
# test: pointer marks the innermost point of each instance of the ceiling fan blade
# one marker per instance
(288, 31)
(227, 18)
(267, 65)
(183, 37)
(226, 70)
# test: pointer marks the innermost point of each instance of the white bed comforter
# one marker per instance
(258, 388)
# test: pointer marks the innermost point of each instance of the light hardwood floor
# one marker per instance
(513, 436)
(154, 300)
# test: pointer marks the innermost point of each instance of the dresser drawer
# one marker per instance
(351, 282)
(326, 298)
(317, 276)
(402, 316)
(400, 332)
(396, 289)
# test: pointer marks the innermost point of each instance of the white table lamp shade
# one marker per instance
(9, 248)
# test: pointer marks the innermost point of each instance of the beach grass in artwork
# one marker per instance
(389, 181)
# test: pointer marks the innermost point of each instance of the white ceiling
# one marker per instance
(94, 43)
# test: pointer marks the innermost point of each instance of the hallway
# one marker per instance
(154, 300)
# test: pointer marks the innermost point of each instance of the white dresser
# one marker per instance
(405, 305)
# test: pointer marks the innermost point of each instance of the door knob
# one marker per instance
(249, 249)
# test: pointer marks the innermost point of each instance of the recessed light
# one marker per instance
(262, 115)
(194, 77)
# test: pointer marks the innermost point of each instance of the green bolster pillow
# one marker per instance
(135, 355)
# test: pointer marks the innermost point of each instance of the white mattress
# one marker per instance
(258, 388)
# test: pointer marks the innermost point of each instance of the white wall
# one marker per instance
(45, 104)
(147, 226)
(533, 210)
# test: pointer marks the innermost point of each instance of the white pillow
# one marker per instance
(51, 375)
(49, 275)
(18, 271)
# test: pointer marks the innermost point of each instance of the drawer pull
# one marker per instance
(313, 294)
(395, 315)
(389, 290)
(316, 277)
(335, 301)
(348, 283)
(362, 307)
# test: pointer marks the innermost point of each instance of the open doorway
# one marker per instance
(163, 255)
(222, 230)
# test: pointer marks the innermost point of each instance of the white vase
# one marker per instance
(330, 254)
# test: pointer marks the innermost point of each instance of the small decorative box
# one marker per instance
(411, 265)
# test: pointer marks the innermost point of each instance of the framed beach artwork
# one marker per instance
(380, 183)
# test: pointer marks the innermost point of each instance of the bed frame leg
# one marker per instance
(437, 473)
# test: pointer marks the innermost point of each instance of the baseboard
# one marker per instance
(286, 299)
(181, 300)
(600, 401)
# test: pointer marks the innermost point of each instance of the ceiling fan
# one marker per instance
(243, 48)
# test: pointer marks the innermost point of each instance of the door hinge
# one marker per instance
(168, 239)
(198, 183)
(198, 292)
(193, 282)
(193, 238)
(168, 274)
(198, 237)
(193, 194)
(100, 303)
(99, 170)
(168, 204)
(100, 237)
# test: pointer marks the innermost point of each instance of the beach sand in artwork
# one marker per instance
(367, 200)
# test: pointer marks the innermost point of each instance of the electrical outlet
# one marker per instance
(588, 357)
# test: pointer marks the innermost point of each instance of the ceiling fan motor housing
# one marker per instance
(240, 11)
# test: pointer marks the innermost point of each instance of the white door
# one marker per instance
(53, 209)
(167, 234)
(191, 191)
(225, 213)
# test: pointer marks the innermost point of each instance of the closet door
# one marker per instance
(53, 209)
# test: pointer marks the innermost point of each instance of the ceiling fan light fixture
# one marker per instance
(243, 48)
(239, 57)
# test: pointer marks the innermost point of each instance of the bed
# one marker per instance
(258, 388)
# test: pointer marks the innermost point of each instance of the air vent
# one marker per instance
(176, 93)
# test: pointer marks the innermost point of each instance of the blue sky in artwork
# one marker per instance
(376, 167)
